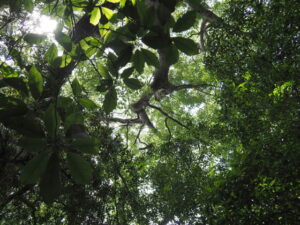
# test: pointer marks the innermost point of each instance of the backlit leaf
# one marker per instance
(95, 16)
(32, 38)
(64, 40)
(35, 81)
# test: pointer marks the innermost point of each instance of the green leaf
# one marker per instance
(138, 61)
(52, 121)
(107, 12)
(87, 103)
(150, 58)
(147, 14)
(65, 60)
(185, 22)
(73, 118)
(51, 55)
(127, 72)
(50, 184)
(186, 45)
(124, 56)
(28, 4)
(173, 55)
(33, 170)
(16, 83)
(114, 1)
(10, 107)
(80, 169)
(32, 38)
(154, 41)
(33, 144)
(110, 101)
(64, 40)
(105, 84)
(25, 125)
(86, 145)
(35, 81)
(132, 83)
(95, 16)
(76, 87)
(122, 3)
(103, 71)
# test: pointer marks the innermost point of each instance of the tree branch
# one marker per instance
(167, 115)
(19, 193)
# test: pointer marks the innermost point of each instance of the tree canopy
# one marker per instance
(150, 112)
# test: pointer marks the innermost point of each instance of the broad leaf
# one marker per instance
(35, 81)
(74, 118)
(185, 22)
(16, 83)
(64, 40)
(26, 125)
(76, 87)
(50, 184)
(51, 54)
(105, 84)
(33, 170)
(33, 144)
(138, 61)
(150, 58)
(103, 71)
(10, 107)
(107, 12)
(173, 55)
(86, 145)
(124, 56)
(87, 103)
(154, 41)
(32, 38)
(52, 121)
(127, 72)
(186, 45)
(132, 83)
(95, 16)
(80, 169)
(110, 101)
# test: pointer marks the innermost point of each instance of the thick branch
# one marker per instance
(125, 121)
(205, 13)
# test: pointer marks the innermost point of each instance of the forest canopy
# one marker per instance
(116, 112)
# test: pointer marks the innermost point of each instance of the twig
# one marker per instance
(20, 192)
(138, 135)
(167, 115)
(166, 123)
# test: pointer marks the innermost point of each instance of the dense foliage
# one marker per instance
(150, 112)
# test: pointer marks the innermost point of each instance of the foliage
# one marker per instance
(150, 112)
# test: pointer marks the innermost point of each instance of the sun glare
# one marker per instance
(42, 24)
